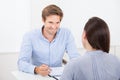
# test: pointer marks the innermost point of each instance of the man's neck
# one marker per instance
(49, 37)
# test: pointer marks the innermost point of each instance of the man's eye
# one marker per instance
(51, 22)
(58, 22)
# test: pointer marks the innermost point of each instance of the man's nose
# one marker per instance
(54, 26)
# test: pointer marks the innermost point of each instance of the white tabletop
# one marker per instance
(27, 76)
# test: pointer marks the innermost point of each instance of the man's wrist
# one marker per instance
(35, 70)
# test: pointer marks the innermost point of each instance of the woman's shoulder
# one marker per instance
(79, 60)
(113, 57)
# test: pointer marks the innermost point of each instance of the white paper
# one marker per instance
(56, 71)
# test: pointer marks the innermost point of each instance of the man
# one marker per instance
(45, 48)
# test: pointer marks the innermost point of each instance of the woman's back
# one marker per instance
(97, 65)
(94, 65)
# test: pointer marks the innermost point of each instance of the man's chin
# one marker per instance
(53, 32)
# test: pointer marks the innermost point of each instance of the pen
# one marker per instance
(53, 77)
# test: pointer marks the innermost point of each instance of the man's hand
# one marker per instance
(43, 70)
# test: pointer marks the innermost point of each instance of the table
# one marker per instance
(27, 76)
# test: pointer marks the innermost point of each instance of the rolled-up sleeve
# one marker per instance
(71, 48)
(24, 59)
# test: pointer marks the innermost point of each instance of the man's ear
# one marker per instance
(84, 35)
(43, 20)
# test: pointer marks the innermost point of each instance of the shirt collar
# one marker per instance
(95, 52)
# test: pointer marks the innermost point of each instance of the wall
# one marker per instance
(8, 63)
(15, 20)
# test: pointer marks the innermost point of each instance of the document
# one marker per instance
(56, 71)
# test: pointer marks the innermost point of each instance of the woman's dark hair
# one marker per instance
(97, 33)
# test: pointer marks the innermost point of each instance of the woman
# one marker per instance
(96, 63)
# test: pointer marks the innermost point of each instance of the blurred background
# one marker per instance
(20, 16)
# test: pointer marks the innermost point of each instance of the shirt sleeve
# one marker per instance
(24, 60)
(71, 48)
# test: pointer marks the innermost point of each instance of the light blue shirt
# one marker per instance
(94, 65)
(37, 50)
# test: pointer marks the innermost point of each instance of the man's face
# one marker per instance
(51, 24)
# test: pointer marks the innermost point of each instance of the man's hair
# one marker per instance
(97, 33)
(52, 10)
